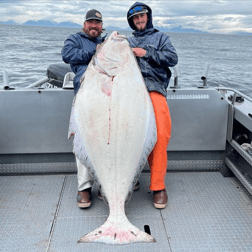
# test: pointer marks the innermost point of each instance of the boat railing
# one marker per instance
(39, 83)
(236, 93)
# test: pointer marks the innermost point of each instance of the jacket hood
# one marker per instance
(149, 14)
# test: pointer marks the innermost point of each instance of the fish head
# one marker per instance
(112, 55)
(116, 37)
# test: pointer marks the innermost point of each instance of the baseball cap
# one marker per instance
(137, 10)
(93, 14)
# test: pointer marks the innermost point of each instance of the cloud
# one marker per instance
(203, 8)
(209, 15)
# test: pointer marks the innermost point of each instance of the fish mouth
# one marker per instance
(118, 38)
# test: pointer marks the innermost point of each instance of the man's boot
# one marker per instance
(160, 199)
(84, 198)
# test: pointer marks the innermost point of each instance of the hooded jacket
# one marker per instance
(160, 53)
(78, 50)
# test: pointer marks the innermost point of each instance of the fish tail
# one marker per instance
(116, 234)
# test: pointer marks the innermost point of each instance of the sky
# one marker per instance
(213, 16)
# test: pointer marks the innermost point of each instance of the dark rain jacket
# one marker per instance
(78, 50)
(160, 54)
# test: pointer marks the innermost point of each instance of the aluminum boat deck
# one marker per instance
(206, 212)
(208, 208)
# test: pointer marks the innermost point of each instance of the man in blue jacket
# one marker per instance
(79, 48)
(155, 54)
(78, 51)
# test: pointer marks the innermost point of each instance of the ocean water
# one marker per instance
(26, 52)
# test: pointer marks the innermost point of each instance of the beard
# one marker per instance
(93, 32)
(141, 26)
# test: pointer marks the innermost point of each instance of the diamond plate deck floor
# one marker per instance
(27, 209)
(206, 212)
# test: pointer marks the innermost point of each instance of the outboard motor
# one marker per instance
(57, 72)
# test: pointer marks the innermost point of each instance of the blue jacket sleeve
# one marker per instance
(165, 56)
(71, 53)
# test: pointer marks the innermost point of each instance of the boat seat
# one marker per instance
(68, 81)
(56, 73)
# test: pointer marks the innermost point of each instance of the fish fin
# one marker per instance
(110, 233)
(78, 144)
(72, 125)
(80, 151)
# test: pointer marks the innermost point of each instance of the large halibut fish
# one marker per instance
(114, 130)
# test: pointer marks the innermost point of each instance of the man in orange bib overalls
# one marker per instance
(155, 54)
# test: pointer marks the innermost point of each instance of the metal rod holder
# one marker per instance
(204, 75)
(5, 79)
(176, 75)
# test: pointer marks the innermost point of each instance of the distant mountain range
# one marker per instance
(69, 24)
(163, 29)
(45, 23)
(179, 29)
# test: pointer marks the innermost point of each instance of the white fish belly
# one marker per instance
(115, 127)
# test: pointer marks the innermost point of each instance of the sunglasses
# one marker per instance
(137, 9)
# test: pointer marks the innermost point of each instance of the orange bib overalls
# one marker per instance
(158, 157)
